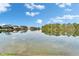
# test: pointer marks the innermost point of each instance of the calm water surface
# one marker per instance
(38, 43)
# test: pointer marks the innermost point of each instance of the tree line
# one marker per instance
(49, 29)
(11, 28)
(61, 29)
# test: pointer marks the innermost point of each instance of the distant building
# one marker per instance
(7, 27)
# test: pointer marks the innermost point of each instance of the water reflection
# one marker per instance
(10, 32)
(59, 33)
(7, 33)
(74, 33)
(23, 31)
(38, 43)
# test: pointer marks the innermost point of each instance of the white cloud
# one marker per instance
(4, 7)
(39, 21)
(32, 13)
(54, 20)
(62, 5)
(58, 21)
(34, 6)
(29, 5)
(40, 7)
(68, 17)
(2, 24)
(61, 19)
(68, 9)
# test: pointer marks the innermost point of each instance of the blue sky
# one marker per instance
(34, 14)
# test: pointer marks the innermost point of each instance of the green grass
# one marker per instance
(7, 54)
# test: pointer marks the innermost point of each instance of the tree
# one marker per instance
(0, 27)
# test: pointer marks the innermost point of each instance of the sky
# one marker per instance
(38, 14)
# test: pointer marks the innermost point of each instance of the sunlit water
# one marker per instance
(38, 43)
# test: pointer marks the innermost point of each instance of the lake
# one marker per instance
(32, 43)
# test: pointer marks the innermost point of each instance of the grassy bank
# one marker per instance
(7, 54)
